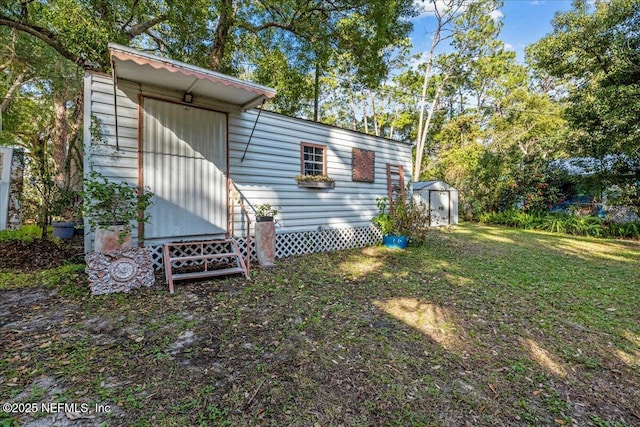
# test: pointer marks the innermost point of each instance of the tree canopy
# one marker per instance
(595, 51)
(485, 123)
(278, 43)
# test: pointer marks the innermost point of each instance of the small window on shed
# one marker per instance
(313, 158)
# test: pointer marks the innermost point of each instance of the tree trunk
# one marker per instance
(316, 93)
(364, 115)
(376, 125)
(17, 82)
(425, 129)
(354, 115)
(73, 166)
(393, 126)
(444, 16)
(60, 139)
(225, 23)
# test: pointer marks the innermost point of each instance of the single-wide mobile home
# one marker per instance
(197, 140)
(441, 201)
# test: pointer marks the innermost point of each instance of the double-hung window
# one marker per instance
(313, 159)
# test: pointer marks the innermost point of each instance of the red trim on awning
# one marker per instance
(123, 56)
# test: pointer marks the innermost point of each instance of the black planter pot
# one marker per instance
(63, 229)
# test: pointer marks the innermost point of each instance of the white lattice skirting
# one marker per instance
(291, 244)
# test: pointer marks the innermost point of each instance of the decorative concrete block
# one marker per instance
(119, 271)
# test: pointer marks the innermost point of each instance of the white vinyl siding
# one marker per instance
(266, 175)
(117, 158)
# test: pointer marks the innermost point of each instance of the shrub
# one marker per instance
(108, 202)
(409, 219)
(557, 222)
(27, 233)
(630, 229)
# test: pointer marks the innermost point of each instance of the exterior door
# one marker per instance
(439, 207)
(184, 164)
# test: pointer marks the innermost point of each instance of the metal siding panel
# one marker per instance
(117, 165)
(184, 163)
(273, 159)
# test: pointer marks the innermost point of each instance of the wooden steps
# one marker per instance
(202, 254)
(395, 184)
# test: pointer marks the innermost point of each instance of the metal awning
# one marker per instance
(134, 65)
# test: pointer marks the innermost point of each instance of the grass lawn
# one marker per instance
(482, 326)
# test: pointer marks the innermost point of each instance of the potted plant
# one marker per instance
(265, 212)
(110, 207)
(315, 181)
(393, 234)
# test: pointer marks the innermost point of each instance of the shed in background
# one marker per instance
(441, 200)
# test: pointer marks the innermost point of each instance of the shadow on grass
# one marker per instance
(478, 327)
(524, 299)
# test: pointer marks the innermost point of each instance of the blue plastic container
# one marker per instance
(395, 242)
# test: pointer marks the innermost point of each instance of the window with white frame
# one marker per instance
(313, 159)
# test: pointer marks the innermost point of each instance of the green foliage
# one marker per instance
(313, 178)
(108, 202)
(514, 218)
(265, 209)
(598, 421)
(47, 192)
(561, 223)
(383, 220)
(26, 233)
(41, 114)
(603, 95)
(630, 229)
(7, 420)
(214, 416)
(65, 277)
(535, 187)
(594, 51)
(409, 219)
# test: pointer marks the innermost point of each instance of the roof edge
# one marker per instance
(185, 68)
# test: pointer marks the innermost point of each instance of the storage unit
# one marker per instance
(191, 135)
(441, 200)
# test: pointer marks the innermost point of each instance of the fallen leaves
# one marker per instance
(493, 388)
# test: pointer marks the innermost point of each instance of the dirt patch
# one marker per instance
(40, 254)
